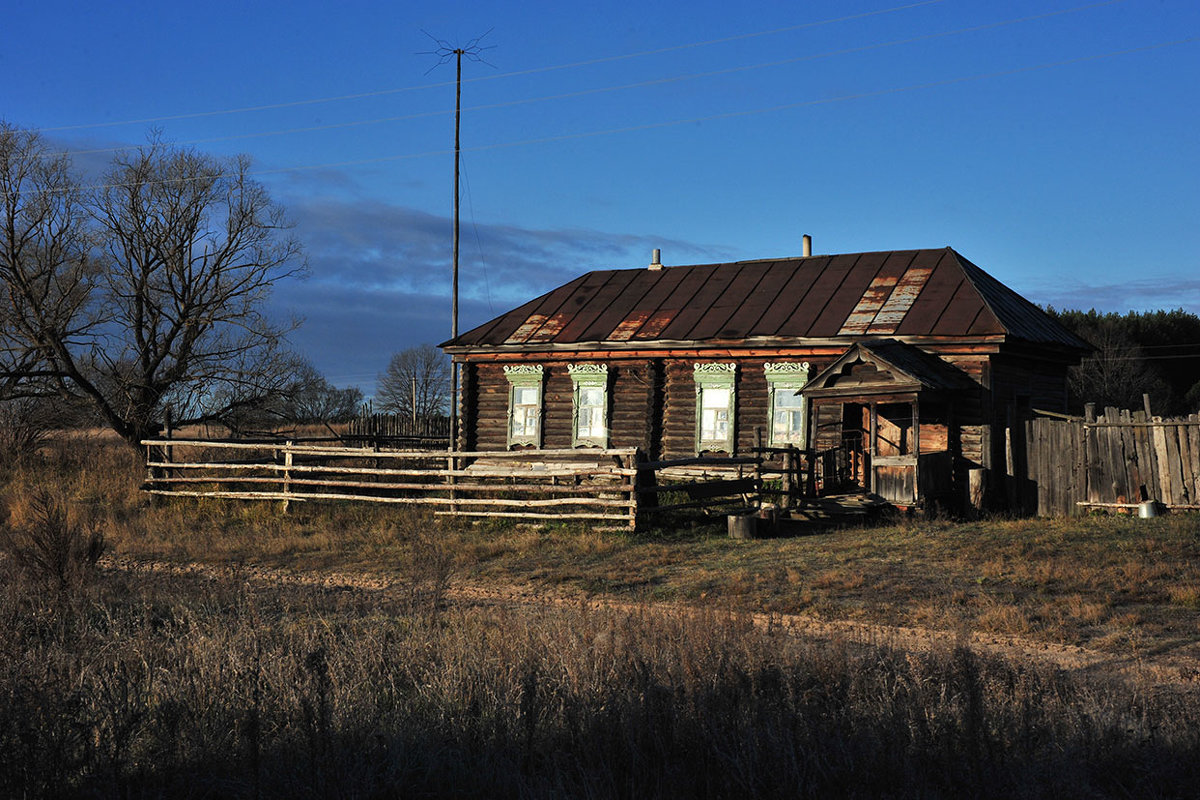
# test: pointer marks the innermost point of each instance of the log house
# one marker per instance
(917, 363)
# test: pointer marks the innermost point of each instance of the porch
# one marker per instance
(889, 411)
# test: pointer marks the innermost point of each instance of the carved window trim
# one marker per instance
(714, 380)
(585, 377)
(787, 376)
(524, 419)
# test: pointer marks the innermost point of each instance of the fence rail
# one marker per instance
(613, 487)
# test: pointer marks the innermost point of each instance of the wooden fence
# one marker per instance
(398, 431)
(615, 487)
(1117, 460)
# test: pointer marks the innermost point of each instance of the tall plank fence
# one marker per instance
(1118, 460)
(398, 431)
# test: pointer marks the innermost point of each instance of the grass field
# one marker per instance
(129, 682)
(1115, 583)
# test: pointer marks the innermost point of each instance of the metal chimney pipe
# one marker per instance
(806, 250)
(656, 259)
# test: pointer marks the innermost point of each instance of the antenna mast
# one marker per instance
(445, 52)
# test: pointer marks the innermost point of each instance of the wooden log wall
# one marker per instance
(633, 387)
(1118, 461)
(679, 411)
(751, 404)
(488, 406)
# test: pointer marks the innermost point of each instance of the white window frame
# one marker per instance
(788, 376)
(719, 377)
(524, 376)
(584, 377)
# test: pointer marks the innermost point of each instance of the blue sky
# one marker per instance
(1055, 143)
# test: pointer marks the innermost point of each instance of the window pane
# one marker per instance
(715, 414)
(787, 398)
(525, 421)
(591, 396)
(714, 424)
(590, 413)
(591, 423)
(715, 398)
(788, 426)
(787, 419)
(526, 411)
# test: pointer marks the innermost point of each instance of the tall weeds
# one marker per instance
(198, 688)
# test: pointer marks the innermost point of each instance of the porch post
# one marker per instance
(873, 443)
(916, 448)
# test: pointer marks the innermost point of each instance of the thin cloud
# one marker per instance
(379, 277)
(1140, 295)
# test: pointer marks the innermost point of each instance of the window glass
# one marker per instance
(524, 404)
(789, 409)
(525, 412)
(591, 405)
(788, 423)
(591, 413)
(715, 399)
(714, 414)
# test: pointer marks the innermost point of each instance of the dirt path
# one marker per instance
(1169, 665)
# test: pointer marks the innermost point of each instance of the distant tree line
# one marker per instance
(1140, 352)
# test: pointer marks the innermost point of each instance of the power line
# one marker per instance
(626, 86)
(709, 118)
(519, 73)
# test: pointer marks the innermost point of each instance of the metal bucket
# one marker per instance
(1148, 509)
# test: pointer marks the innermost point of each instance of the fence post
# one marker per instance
(758, 478)
(631, 481)
(789, 483)
(976, 488)
(287, 473)
(168, 451)
(151, 473)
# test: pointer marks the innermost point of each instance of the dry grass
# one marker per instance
(138, 685)
(1075, 581)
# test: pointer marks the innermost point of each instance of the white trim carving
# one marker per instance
(587, 370)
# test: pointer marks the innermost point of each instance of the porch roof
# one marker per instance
(891, 367)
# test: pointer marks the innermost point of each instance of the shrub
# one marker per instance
(25, 426)
(49, 546)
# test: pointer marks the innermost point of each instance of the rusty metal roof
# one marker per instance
(902, 293)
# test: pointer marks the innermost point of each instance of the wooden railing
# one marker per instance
(613, 487)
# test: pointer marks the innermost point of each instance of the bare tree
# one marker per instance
(308, 399)
(1117, 374)
(166, 307)
(416, 381)
(46, 278)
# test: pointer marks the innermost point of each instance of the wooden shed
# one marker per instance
(916, 363)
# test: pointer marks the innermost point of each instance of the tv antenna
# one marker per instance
(445, 52)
